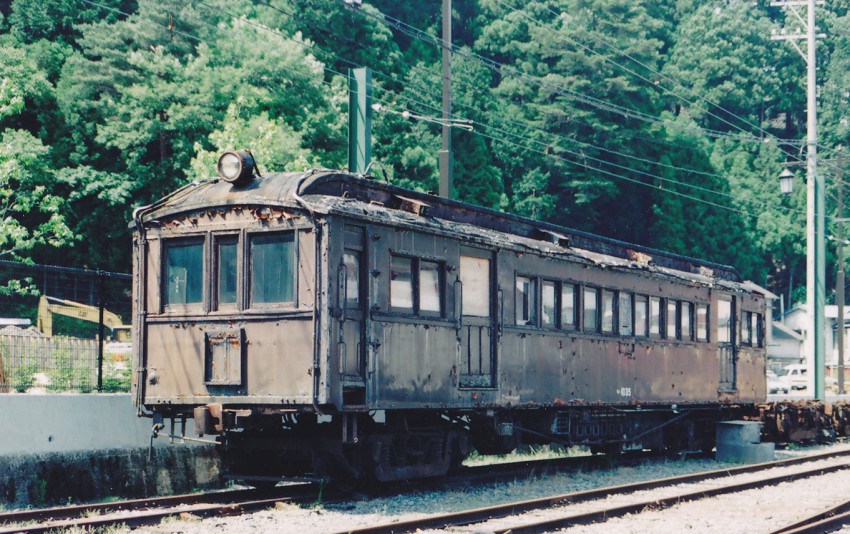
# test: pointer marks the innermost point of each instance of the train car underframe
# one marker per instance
(397, 445)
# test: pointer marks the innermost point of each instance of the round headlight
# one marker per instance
(236, 167)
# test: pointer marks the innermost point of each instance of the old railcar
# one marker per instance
(327, 324)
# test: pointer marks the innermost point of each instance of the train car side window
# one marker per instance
(607, 311)
(184, 272)
(747, 329)
(549, 301)
(758, 330)
(655, 316)
(401, 283)
(475, 286)
(686, 313)
(590, 310)
(568, 306)
(624, 314)
(430, 284)
(226, 254)
(641, 315)
(526, 300)
(672, 331)
(272, 268)
(702, 322)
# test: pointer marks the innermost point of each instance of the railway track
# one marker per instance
(826, 521)
(556, 520)
(139, 512)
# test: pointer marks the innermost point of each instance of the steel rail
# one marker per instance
(17, 521)
(479, 515)
(835, 517)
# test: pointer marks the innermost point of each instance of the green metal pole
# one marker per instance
(359, 119)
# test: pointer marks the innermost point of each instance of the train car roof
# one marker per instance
(335, 192)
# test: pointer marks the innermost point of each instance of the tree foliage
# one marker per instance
(659, 122)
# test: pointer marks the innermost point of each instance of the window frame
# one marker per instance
(533, 319)
(416, 286)
(215, 293)
(250, 274)
(165, 244)
(592, 290)
(555, 324)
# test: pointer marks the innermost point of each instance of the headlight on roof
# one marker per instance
(236, 167)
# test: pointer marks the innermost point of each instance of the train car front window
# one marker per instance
(226, 255)
(272, 268)
(184, 272)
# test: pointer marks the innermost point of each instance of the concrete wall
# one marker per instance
(70, 448)
(39, 424)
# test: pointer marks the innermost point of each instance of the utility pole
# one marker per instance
(839, 276)
(815, 227)
(359, 119)
(446, 164)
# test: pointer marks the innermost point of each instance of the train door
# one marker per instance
(352, 349)
(726, 321)
(477, 319)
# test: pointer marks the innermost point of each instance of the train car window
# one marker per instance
(272, 268)
(641, 315)
(686, 323)
(702, 322)
(475, 286)
(226, 252)
(351, 260)
(590, 310)
(401, 283)
(607, 311)
(655, 316)
(568, 306)
(430, 284)
(526, 300)
(624, 314)
(672, 331)
(724, 321)
(758, 330)
(184, 272)
(549, 302)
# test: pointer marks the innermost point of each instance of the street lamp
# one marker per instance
(786, 181)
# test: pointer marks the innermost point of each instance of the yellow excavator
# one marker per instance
(47, 306)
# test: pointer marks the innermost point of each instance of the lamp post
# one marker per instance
(815, 236)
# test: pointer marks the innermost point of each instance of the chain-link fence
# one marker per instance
(63, 329)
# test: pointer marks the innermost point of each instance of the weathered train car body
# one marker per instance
(325, 319)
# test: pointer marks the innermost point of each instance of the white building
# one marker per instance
(787, 344)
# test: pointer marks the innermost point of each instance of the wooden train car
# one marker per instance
(327, 324)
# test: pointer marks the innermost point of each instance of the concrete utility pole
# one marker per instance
(839, 276)
(359, 119)
(446, 164)
(815, 227)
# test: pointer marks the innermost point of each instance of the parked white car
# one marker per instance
(796, 377)
(775, 386)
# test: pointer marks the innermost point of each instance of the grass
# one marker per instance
(542, 452)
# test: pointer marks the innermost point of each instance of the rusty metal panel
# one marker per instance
(225, 351)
